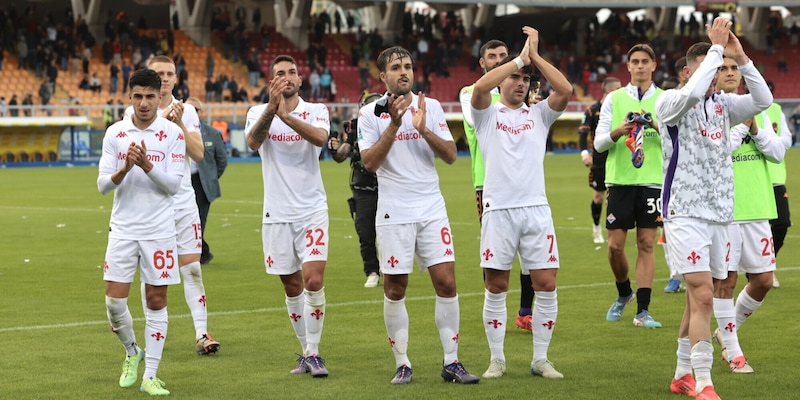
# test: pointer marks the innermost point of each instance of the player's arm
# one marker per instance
(110, 177)
(767, 142)
(313, 134)
(445, 149)
(482, 93)
(673, 104)
(374, 155)
(257, 133)
(465, 98)
(190, 124)
(583, 137)
(339, 150)
(784, 133)
(559, 99)
(169, 177)
(604, 136)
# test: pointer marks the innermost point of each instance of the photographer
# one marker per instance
(364, 185)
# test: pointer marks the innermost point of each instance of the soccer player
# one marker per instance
(492, 53)
(517, 219)
(399, 135)
(698, 190)
(142, 163)
(633, 178)
(751, 252)
(187, 216)
(595, 160)
(295, 218)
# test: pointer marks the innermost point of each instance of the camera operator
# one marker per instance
(364, 185)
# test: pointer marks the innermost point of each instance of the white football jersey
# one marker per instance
(407, 180)
(293, 187)
(513, 144)
(185, 197)
(141, 210)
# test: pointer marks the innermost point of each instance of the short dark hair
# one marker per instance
(696, 50)
(492, 44)
(680, 64)
(385, 56)
(281, 58)
(608, 82)
(528, 69)
(642, 47)
(146, 78)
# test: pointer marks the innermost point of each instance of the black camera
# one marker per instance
(351, 128)
(382, 105)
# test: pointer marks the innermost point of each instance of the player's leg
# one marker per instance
(119, 267)
(619, 219)
(683, 381)
(648, 219)
(311, 245)
(597, 178)
(780, 225)
(726, 333)
(396, 257)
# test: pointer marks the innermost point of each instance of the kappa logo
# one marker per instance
(552, 258)
(180, 136)
(161, 135)
(202, 300)
(315, 252)
(693, 258)
(448, 252)
(122, 135)
(385, 116)
(165, 275)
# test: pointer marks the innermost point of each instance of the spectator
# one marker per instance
(13, 108)
(183, 90)
(233, 87)
(22, 53)
(44, 95)
(209, 90)
(114, 73)
(108, 113)
(363, 71)
(136, 58)
(209, 65)
(126, 75)
(86, 56)
(76, 61)
(27, 105)
(314, 80)
(241, 96)
(325, 80)
(782, 65)
(3, 107)
(253, 69)
(94, 83)
(120, 110)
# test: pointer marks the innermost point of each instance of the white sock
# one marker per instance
(545, 312)
(495, 316)
(314, 312)
(684, 354)
(195, 294)
(448, 315)
(395, 316)
(745, 306)
(122, 323)
(155, 334)
(702, 358)
(724, 312)
(294, 305)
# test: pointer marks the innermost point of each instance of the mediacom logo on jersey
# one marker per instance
(285, 137)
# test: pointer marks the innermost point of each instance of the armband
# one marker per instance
(584, 153)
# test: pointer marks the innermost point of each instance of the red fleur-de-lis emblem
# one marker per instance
(693, 258)
(295, 317)
(270, 261)
(161, 135)
(392, 261)
(391, 342)
(730, 327)
(158, 336)
(549, 325)
(487, 254)
(304, 114)
(455, 338)
(495, 323)
(202, 300)
(317, 314)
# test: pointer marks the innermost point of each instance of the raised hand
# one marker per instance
(734, 49)
(131, 156)
(533, 41)
(720, 31)
(276, 87)
(418, 114)
(397, 107)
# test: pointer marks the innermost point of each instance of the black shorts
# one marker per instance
(633, 206)
(782, 202)
(597, 178)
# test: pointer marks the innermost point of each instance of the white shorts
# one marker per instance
(695, 245)
(158, 259)
(190, 233)
(430, 242)
(528, 231)
(751, 247)
(289, 245)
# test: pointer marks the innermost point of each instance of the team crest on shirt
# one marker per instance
(718, 109)
(303, 115)
(161, 135)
